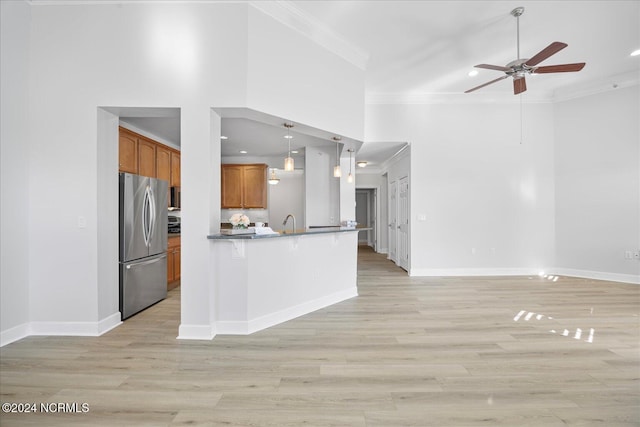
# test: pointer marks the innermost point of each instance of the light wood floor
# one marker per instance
(407, 351)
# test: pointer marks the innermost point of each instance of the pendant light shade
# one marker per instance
(288, 161)
(337, 173)
(350, 176)
(273, 179)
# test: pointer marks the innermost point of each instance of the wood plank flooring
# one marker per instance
(489, 351)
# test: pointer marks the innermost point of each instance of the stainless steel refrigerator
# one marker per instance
(143, 242)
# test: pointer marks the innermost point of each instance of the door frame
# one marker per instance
(375, 190)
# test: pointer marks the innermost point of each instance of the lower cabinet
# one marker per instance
(173, 262)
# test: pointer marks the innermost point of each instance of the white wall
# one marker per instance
(14, 158)
(190, 56)
(597, 173)
(287, 197)
(286, 69)
(476, 184)
(322, 190)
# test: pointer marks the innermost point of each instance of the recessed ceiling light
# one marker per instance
(288, 137)
(294, 151)
(473, 73)
(635, 52)
(223, 137)
(362, 164)
(243, 151)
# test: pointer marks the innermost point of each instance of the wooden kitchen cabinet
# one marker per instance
(146, 157)
(173, 262)
(163, 163)
(244, 186)
(128, 152)
(143, 156)
(175, 169)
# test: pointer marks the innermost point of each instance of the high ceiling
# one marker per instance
(423, 50)
(428, 47)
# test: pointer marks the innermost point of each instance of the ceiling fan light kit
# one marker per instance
(520, 67)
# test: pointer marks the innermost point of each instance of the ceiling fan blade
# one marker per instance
(552, 49)
(519, 85)
(486, 84)
(563, 68)
(493, 67)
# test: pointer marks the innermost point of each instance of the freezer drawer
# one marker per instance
(142, 283)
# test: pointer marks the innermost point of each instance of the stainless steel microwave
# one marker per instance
(175, 197)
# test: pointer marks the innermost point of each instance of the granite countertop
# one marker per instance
(288, 233)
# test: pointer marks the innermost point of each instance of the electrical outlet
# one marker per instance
(628, 255)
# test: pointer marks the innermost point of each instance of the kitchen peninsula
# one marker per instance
(267, 279)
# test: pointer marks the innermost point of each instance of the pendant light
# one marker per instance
(273, 179)
(337, 173)
(350, 176)
(288, 162)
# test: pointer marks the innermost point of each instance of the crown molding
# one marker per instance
(594, 87)
(451, 98)
(293, 17)
(560, 95)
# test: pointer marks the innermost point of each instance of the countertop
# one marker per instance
(300, 232)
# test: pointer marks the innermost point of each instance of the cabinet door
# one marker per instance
(171, 274)
(163, 163)
(231, 191)
(175, 169)
(146, 158)
(176, 263)
(255, 186)
(128, 153)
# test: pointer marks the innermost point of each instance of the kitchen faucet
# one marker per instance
(284, 223)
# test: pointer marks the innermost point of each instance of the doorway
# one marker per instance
(367, 216)
(398, 203)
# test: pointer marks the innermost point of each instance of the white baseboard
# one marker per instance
(78, 329)
(446, 272)
(272, 319)
(14, 334)
(598, 275)
(196, 332)
(462, 272)
(109, 323)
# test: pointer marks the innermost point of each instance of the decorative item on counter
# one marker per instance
(239, 221)
(349, 223)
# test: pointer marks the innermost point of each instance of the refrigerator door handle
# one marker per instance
(152, 214)
(146, 217)
(146, 262)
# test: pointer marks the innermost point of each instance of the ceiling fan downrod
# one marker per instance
(517, 12)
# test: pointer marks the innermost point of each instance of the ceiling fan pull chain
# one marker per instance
(520, 119)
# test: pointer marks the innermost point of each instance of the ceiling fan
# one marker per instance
(519, 68)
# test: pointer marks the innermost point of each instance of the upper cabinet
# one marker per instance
(143, 156)
(175, 169)
(146, 157)
(128, 152)
(244, 186)
(163, 163)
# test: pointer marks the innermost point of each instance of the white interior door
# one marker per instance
(373, 220)
(393, 208)
(403, 224)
